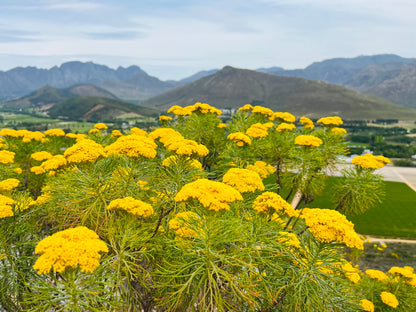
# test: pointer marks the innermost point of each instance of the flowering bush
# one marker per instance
(196, 215)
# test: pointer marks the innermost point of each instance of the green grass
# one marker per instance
(394, 217)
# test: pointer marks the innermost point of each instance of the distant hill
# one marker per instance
(20, 81)
(232, 88)
(46, 97)
(97, 109)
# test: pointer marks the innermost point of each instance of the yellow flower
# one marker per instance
(133, 146)
(5, 200)
(5, 211)
(138, 131)
(246, 108)
(203, 108)
(285, 127)
(267, 112)
(33, 136)
(173, 160)
(187, 148)
(6, 157)
(331, 121)
(257, 130)
(179, 111)
(284, 116)
(94, 131)
(308, 140)
(351, 272)
(165, 118)
(262, 168)
(69, 248)
(383, 159)
(8, 185)
(389, 299)
(55, 132)
(376, 274)
(211, 194)
(56, 162)
(134, 206)
(339, 131)
(239, 138)
(100, 126)
(329, 225)
(37, 170)
(165, 134)
(368, 161)
(18, 170)
(367, 305)
(116, 133)
(40, 156)
(306, 122)
(221, 125)
(184, 222)
(243, 180)
(270, 202)
(9, 132)
(84, 151)
(405, 271)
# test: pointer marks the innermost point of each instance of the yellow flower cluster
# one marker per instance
(84, 151)
(100, 126)
(285, 127)
(55, 132)
(165, 118)
(243, 180)
(211, 194)
(351, 272)
(133, 146)
(6, 209)
(369, 161)
(246, 108)
(69, 248)
(257, 130)
(9, 132)
(221, 125)
(203, 108)
(8, 185)
(239, 138)
(56, 162)
(116, 133)
(173, 160)
(78, 137)
(270, 202)
(339, 131)
(284, 116)
(267, 112)
(389, 299)
(181, 222)
(262, 168)
(332, 121)
(187, 148)
(165, 135)
(138, 131)
(289, 239)
(32, 136)
(41, 156)
(308, 140)
(93, 131)
(179, 111)
(405, 271)
(329, 225)
(367, 305)
(306, 122)
(377, 274)
(134, 206)
(6, 157)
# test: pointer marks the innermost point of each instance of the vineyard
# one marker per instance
(194, 215)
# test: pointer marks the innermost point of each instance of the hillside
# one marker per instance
(46, 97)
(231, 88)
(97, 109)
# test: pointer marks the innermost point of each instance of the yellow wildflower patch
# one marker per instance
(243, 180)
(134, 206)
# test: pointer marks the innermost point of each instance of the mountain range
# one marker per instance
(333, 83)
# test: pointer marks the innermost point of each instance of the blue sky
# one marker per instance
(174, 39)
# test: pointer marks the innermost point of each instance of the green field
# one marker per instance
(394, 217)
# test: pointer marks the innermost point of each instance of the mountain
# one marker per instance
(23, 80)
(340, 70)
(46, 97)
(196, 76)
(97, 109)
(232, 88)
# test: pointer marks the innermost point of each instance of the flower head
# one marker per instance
(243, 180)
(367, 305)
(69, 248)
(55, 132)
(266, 112)
(181, 224)
(308, 140)
(6, 157)
(339, 131)
(188, 148)
(332, 121)
(40, 156)
(389, 299)
(306, 122)
(369, 161)
(377, 274)
(262, 168)
(285, 127)
(284, 116)
(179, 111)
(270, 202)
(246, 108)
(100, 126)
(211, 194)
(8, 185)
(131, 205)
(133, 146)
(165, 118)
(257, 130)
(239, 138)
(84, 151)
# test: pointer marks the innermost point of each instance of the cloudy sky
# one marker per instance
(172, 39)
